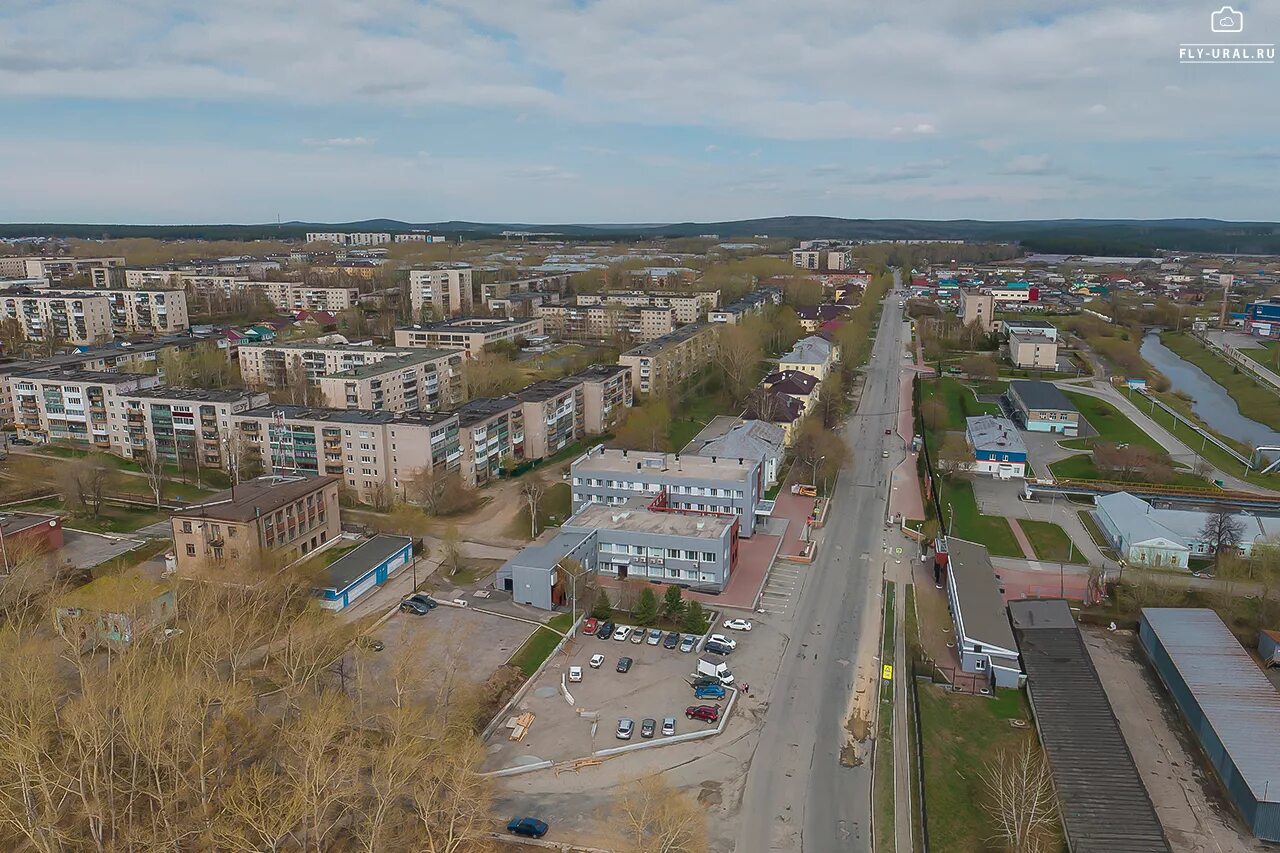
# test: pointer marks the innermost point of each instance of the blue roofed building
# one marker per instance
(1262, 319)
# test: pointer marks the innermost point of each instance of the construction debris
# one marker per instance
(519, 725)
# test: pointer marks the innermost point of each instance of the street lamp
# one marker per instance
(815, 470)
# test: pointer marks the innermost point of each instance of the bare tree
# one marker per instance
(654, 817)
(533, 490)
(954, 456)
(153, 470)
(738, 353)
(85, 482)
(1021, 803)
(451, 549)
(1221, 531)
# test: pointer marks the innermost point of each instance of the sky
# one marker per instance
(554, 111)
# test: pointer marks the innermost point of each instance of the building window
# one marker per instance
(708, 556)
(191, 550)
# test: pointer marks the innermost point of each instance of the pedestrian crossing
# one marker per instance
(782, 588)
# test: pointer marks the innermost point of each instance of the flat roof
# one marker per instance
(483, 408)
(681, 334)
(203, 395)
(316, 345)
(1105, 805)
(12, 523)
(546, 389)
(1030, 324)
(1041, 395)
(670, 464)
(116, 593)
(990, 433)
(254, 497)
(599, 372)
(81, 376)
(468, 324)
(1031, 338)
(320, 413)
(356, 563)
(982, 610)
(1239, 703)
(391, 363)
(634, 517)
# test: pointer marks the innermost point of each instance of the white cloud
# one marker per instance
(339, 142)
(1028, 164)
(712, 148)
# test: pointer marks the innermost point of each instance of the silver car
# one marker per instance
(655, 637)
(625, 729)
(668, 726)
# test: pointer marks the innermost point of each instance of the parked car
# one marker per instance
(723, 640)
(589, 625)
(668, 726)
(671, 640)
(655, 637)
(575, 673)
(687, 642)
(621, 632)
(699, 680)
(738, 624)
(706, 713)
(637, 635)
(715, 648)
(417, 608)
(596, 661)
(624, 664)
(424, 599)
(625, 729)
(530, 827)
(884, 454)
(605, 631)
(709, 691)
(648, 726)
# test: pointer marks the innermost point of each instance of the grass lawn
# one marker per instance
(693, 413)
(959, 401)
(1112, 425)
(1050, 541)
(1267, 355)
(1095, 532)
(539, 647)
(554, 509)
(884, 793)
(1081, 467)
(112, 518)
(1261, 404)
(991, 530)
(1220, 459)
(961, 733)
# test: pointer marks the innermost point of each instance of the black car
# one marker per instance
(605, 631)
(717, 648)
(417, 608)
(529, 827)
(703, 681)
(671, 640)
(647, 727)
(624, 664)
(424, 599)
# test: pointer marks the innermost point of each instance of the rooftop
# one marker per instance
(468, 324)
(810, 350)
(1030, 324)
(547, 389)
(752, 439)
(254, 498)
(356, 563)
(1030, 338)
(98, 376)
(657, 345)
(633, 516)
(320, 413)
(1040, 395)
(114, 593)
(12, 523)
(600, 372)
(601, 460)
(317, 345)
(982, 609)
(1000, 435)
(483, 408)
(408, 358)
(203, 395)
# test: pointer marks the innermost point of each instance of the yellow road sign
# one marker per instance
(886, 672)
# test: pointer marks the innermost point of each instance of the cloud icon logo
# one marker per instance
(1226, 20)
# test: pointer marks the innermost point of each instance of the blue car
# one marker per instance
(709, 691)
(530, 827)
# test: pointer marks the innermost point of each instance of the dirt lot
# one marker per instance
(655, 687)
(1186, 794)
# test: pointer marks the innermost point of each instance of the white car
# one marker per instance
(655, 637)
(596, 661)
(738, 624)
(622, 632)
(722, 640)
(575, 673)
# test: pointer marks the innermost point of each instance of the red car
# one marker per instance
(706, 713)
(589, 626)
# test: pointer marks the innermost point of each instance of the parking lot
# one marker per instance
(655, 687)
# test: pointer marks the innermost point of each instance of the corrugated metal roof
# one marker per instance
(1105, 806)
(1238, 701)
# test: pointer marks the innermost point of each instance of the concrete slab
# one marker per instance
(86, 550)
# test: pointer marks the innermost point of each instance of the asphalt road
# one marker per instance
(797, 795)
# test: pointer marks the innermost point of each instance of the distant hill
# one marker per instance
(1074, 236)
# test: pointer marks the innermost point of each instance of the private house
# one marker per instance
(793, 383)
(984, 637)
(775, 407)
(814, 355)
(997, 447)
(1041, 407)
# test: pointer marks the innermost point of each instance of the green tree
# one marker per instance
(695, 618)
(673, 602)
(604, 608)
(646, 612)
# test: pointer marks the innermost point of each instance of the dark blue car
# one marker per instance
(530, 827)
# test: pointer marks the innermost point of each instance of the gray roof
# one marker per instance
(357, 562)
(1138, 521)
(1105, 806)
(1239, 703)
(1040, 395)
(748, 439)
(982, 611)
(634, 517)
(810, 350)
(999, 435)
(546, 556)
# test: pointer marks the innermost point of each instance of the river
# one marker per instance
(1210, 401)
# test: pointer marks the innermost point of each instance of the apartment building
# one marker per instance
(472, 334)
(606, 396)
(807, 259)
(1033, 351)
(418, 238)
(670, 359)
(426, 379)
(73, 405)
(264, 523)
(712, 485)
(53, 268)
(596, 321)
(439, 293)
(491, 433)
(46, 315)
(540, 283)
(689, 307)
(751, 304)
(140, 311)
(520, 305)
(662, 276)
(554, 416)
(189, 427)
(375, 454)
(296, 296)
(977, 307)
(269, 364)
(354, 238)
